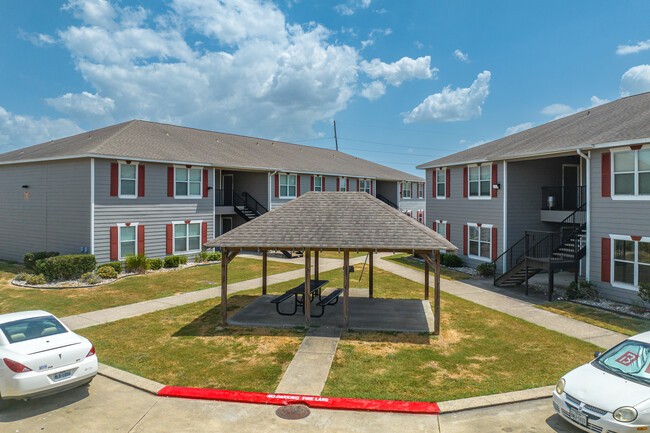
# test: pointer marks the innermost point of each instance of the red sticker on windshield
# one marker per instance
(627, 358)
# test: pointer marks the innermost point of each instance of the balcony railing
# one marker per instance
(223, 197)
(563, 197)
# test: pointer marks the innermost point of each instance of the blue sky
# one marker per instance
(406, 82)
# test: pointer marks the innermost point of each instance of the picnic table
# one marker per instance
(298, 293)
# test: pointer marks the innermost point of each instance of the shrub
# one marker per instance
(65, 267)
(214, 257)
(35, 280)
(201, 257)
(582, 290)
(485, 269)
(644, 291)
(172, 261)
(183, 260)
(107, 272)
(137, 264)
(155, 264)
(93, 278)
(115, 265)
(23, 276)
(451, 260)
(30, 259)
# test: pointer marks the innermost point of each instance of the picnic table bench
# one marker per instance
(330, 299)
(298, 293)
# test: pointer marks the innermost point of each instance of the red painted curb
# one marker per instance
(310, 400)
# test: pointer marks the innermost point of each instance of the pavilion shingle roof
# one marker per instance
(334, 220)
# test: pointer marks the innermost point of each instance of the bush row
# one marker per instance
(30, 259)
(65, 267)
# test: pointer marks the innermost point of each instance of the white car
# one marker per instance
(611, 394)
(40, 356)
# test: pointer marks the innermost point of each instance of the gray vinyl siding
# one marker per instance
(388, 189)
(254, 183)
(57, 215)
(155, 210)
(305, 187)
(458, 210)
(608, 216)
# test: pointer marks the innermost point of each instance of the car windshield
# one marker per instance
(29, 329)
(630, 359)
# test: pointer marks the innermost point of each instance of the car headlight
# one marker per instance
(559, 387)
(625, 414)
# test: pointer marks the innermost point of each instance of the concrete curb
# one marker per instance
(130, 379)
(495, 399)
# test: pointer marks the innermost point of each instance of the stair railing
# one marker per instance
(387, 201)
(254, 205)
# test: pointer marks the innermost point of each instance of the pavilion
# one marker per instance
(334, 221)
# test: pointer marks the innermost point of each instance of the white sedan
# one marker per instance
(40, 356)
(612, 392)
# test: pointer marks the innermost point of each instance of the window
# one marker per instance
(343, 184)
(31, 328)
(128, 180)
(318, 183)
(631, 262)
(420, 190)
(440, 184)
(127, 241)
(188, 182)
(480, 239)
(420, 214)
(441, 228)
(406, 190)
(632, 172)
(187, 237)
(287, 185)
(479, 181)
(365, 185)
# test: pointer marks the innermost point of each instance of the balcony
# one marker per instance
(558, 202)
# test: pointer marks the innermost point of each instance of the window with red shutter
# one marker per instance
(277, 185)
(605, 263)
(434, 182)
(494, 179)
(298, 185)
(401, 190)
(170, 239)
(357, 185)
(494, 243)
(448, 232)
(141, 239)
(312, 184)
(141, 180)
(115, 179)
(114, 243)
(465, 175)
(338, 184)
(448, 183)
(170, 183)
(606, 174)
(434, 226)
(204, 233)
(465, 228)
(205, 183)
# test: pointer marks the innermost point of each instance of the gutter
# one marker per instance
(587, 159)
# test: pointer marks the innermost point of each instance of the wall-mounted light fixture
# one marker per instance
(25, 186)
(209, 188)
(496, 186)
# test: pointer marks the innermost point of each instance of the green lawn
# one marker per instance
(614, 322)
(337, 255)
(449, 274)
(128, 290)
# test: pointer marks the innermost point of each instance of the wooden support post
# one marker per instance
(346, 289)
(316, 265)
(307, 298)
(436, 310)
(264, 271)
(371, 279)
(224, 286)
(426, 280)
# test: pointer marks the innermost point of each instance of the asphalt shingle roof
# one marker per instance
(621, 120)
(334, 220)
(141, 140)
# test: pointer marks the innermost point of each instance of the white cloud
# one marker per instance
(463, 57)
(453, 105)
(18, 131)
(402, 70)
(83, 104)
(635, 80)
(38, 39)
(561, 110)
(372, 36)
(373, 90)
(352, 6)
(518, 128)
(596, 101)
(622, 50)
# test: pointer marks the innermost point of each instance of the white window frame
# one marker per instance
(420, 190)
(444, 182)
(187, 238)
(343, 184)
(189, 196)
(119, 178)
(365, 185)
(420, 214)
(636, 195)
(438, 223)
(120, 256)
(469, 183)
(620, 284)
(404, 190)
(482, 226)
(319, 188)
(288, 185)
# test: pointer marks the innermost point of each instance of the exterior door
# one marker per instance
(227, 189)
(226, 224)
(569, 186)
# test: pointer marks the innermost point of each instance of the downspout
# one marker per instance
(587, 159)
(505, 210)
(271, 174)
(92, 205)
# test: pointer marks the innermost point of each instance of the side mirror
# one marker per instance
(597, 354)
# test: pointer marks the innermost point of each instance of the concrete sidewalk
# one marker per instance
(514, 307)
(92, 318)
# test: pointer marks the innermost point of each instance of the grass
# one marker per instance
(479, 352)
(182, 346)
(614, 322)
(402, 259)
(337, 255)
(128, 290)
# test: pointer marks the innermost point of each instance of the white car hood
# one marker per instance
(604, 390)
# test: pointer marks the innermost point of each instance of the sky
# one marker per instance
(406, 82)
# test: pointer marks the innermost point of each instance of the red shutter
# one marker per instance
(141, 180)
(322, 183)
(605, 263)
(434, 226)
(606, 170)
(338, 184)
(448, 183)
(170, 239)
(312, 183)
(347, 184)
(357, 185)
(448, 232)
(401, 190)
(494, 243)
(114, 243)
(277, 185)
(205, 183)
(372, 182)
(494, 179)
(465, 173)
(141, 240)
(465, 240)
(204, 233)
(434, 180)
(115, 178)
(170, 181)
(297, 185)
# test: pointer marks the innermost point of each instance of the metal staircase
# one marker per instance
(537, 251)
(387, 201)
(247, 207)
